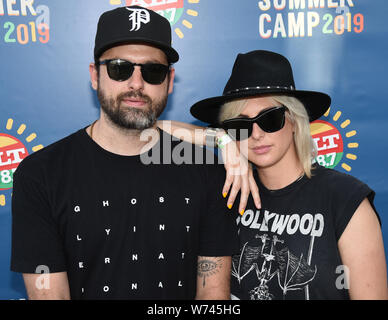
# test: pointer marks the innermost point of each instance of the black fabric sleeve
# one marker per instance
(35, 238)
(349, 194)
(218, 234)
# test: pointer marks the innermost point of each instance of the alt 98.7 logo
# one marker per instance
(16, 143)
(334, 141)
(12, 152)
(177, 12)
(328, 142)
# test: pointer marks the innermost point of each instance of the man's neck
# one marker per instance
(283, 173)
(121, 141)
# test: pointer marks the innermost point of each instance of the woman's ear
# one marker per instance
(291, 121)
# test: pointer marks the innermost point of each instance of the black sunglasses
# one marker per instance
(269, 120)
(121, 70)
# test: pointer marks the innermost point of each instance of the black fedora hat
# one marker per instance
(260, 72)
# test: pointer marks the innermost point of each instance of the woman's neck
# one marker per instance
(283, 173)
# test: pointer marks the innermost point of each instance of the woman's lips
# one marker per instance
(261, 149)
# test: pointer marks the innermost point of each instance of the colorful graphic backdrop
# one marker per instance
(335, 46)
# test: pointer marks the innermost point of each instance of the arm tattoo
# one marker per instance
(208, 267)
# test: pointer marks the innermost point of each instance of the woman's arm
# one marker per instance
(185, 131)
(239, 176)
(362, 252)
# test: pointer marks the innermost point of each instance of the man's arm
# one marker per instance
(213, 278)
(50, 286)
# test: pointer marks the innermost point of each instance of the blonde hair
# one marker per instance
(297, 114)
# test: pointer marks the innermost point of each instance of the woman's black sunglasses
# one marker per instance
(121, 70)
(269, 120)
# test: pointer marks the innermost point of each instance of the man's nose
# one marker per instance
(136, 80)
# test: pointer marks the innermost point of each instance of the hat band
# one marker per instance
(258, 87)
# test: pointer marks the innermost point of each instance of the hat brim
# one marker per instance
(172, 55)
(207, 110)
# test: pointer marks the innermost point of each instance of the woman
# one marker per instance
(317, 234)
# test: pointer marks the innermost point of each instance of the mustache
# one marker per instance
(134, 94)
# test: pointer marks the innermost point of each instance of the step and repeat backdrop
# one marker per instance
(335, 46)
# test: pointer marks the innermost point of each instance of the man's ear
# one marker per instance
(171, 80)
(93, 75)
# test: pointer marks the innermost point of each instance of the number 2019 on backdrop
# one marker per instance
(25, 32)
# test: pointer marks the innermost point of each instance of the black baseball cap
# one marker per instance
(133, 24)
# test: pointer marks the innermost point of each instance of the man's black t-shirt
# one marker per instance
(120, 228)
(288, 249)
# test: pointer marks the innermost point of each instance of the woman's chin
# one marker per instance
(261, 160)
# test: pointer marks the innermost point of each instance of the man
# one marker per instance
(94, 217)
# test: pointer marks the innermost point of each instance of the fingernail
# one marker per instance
(242, 212)
(229, 206)
(224, 194)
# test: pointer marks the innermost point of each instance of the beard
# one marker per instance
(131, 117)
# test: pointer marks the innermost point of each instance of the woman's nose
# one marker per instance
(257, 132)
